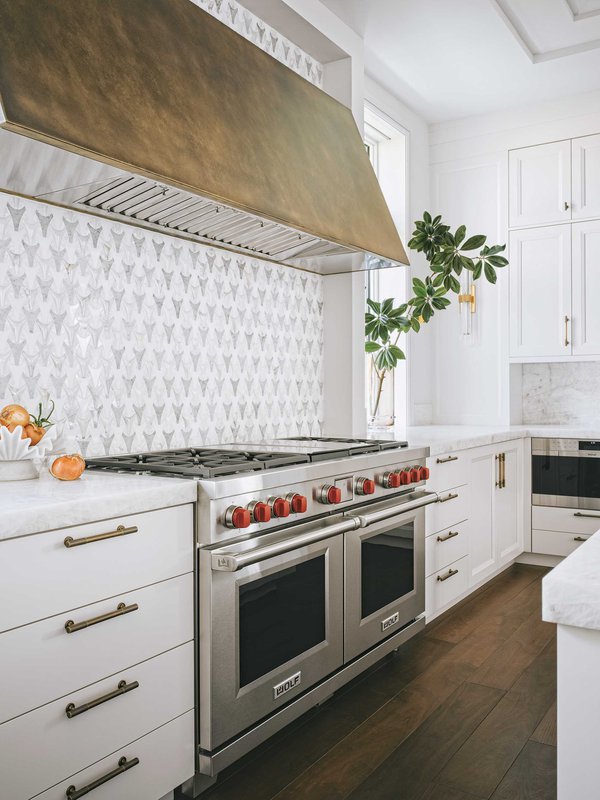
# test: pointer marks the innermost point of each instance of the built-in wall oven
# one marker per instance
(284, 612)
(565, 473)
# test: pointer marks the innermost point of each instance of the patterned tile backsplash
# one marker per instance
(147, 341)
(562, 393)
(235, 16)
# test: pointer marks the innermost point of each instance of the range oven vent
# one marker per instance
(151, 203)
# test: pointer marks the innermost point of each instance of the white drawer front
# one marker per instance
(45, 746)
(571, 520)
(443, 587)
(447, 470)
(166, 759)
(556, 543)
(40, 577)
(453, 509)
(41, 662)
(445, 547)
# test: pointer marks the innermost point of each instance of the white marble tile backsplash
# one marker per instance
(146, 341)
(562, 393)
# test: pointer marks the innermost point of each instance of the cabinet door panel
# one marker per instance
(540, 291)
(482, 551)
(586, 177)
(586, 288)
(540, 184)
(507, 519)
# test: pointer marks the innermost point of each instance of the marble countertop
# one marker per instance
(46, 504)
(571, 592)
(449, 438)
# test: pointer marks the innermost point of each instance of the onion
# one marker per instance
(68, 468)
(13, 415)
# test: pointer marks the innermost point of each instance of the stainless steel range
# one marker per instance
(310, 569)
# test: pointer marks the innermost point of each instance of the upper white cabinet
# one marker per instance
(586, 288)
(540, 184)
(586, 177)
(540, 291)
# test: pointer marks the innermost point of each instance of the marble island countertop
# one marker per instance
(449, 438)
(45, 504)
(571, 592)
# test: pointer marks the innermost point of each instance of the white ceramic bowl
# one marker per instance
(14, 448)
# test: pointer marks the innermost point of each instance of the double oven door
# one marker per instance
(280, 613)
(384, 575)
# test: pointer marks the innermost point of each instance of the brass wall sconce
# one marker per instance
(468, 300)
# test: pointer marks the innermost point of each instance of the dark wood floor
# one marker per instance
(464, 711)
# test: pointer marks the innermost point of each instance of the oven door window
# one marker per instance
(281, 616)
(387, 568)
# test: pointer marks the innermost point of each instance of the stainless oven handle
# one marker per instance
(394, 511)
(227, 561)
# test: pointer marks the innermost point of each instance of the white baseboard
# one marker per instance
(539, 559)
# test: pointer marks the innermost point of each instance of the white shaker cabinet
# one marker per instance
(496, 520)
(540, 184)
(540, 291)
(586, 177)
(586, 287)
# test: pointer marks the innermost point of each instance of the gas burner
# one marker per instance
(196, 462)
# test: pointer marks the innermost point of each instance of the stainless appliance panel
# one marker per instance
(234, 693)
(565, 473)
(384, 579)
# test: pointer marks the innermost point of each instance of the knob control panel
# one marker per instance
(298, 502)
(365, 486)
(237, 517)
(330, 495)
(279, 506)
(260, 512)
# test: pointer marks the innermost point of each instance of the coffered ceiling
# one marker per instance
(455, 58)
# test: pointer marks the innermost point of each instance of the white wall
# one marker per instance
(469, 184)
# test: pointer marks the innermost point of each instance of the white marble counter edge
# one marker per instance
(45, 506)
(440, 439)
(571, 592)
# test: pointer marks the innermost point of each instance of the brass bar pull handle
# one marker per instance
(449, 535)
(446, 460)
(450, 496)
(580, 538)
(73, 793)
(567, 320)
(123, 687)
(99, 537)
(497, 458)
(566, 206)
(71, 626)
(503, 466)
(591, 516)
(449, 574)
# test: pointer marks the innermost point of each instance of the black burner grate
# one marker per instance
(195, 462)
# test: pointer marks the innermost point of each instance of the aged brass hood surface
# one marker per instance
(155, 111)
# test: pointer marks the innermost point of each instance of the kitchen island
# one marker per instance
(571, 599)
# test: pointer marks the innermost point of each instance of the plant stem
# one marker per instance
(380, 378)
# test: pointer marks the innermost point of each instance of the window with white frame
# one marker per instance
(386, 144)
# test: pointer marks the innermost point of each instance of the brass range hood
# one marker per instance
(154, 112)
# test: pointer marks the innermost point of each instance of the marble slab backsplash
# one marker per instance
(146, 341)
(561, 393)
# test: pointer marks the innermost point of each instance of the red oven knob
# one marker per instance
(298, 502)
(390, 480)
(237, 517)
(330, 495)
(279, 507)
(259, 511)
(405, 476)
(365, 486)
(424, 473)
(415, 473)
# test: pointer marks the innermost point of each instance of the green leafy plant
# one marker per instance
(448, 254)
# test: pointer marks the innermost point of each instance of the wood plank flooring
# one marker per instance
(464, 711)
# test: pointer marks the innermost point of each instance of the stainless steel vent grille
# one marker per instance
(162, 206)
